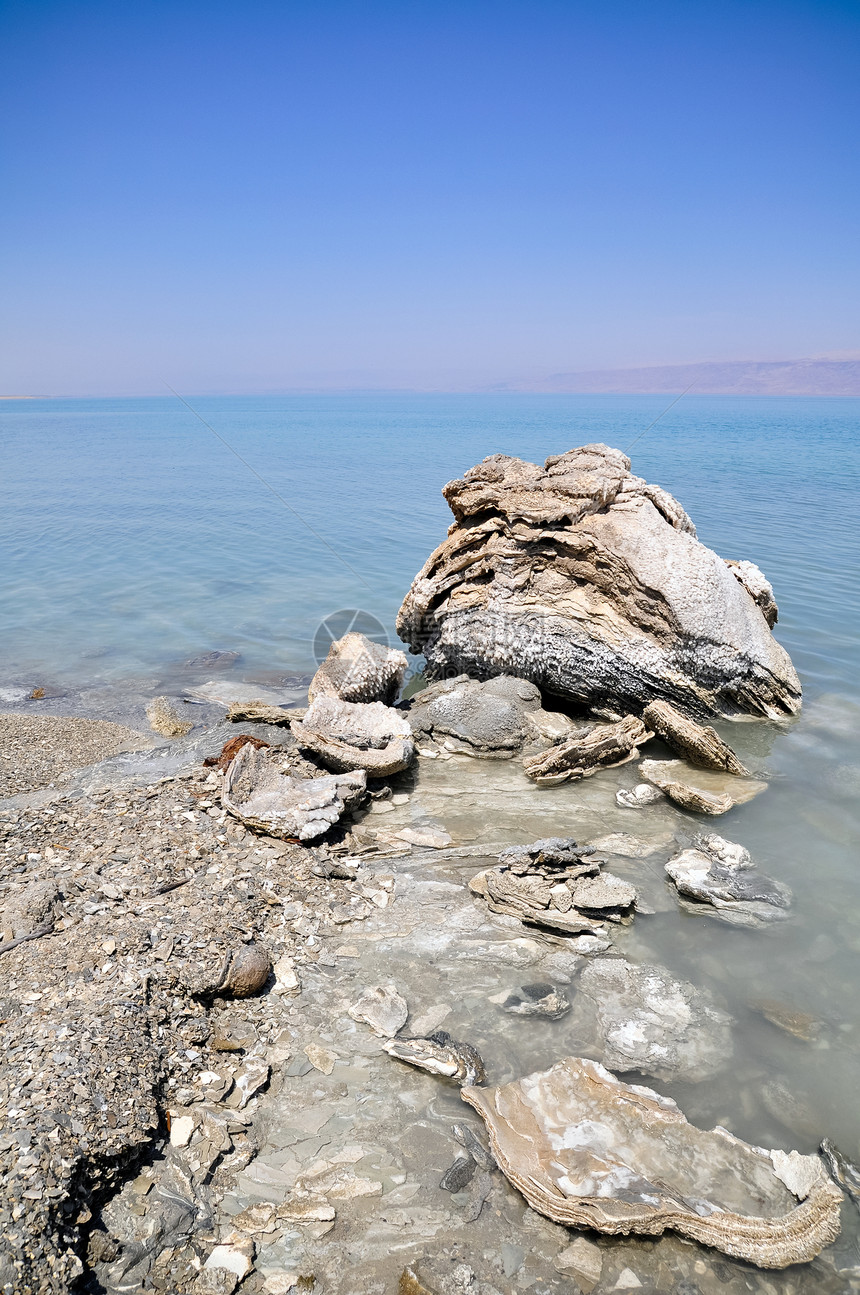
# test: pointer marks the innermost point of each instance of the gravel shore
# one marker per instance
(129, 900)
(42, 750)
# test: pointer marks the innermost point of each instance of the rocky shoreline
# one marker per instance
(224, 954)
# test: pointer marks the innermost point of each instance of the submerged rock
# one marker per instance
(583, 753)
(703, 791)
(651, 1022)
(359, 670)
(721, 877)
(591, 583)
(257, 791)
(459, 1175)
(801, 1025)
(493, 719)
(164, 718)
(701, 745)
(639, 797)
(589, 1151)
(354, 735)
(540, 999)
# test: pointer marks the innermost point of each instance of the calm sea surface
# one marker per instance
(131, 538)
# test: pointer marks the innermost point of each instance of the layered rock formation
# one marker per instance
(589, 1151)
(583, 753)
(350, 724)
(591, 583)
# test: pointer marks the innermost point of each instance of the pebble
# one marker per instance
(321, 1058)
(236, 1255)
(627, 1281)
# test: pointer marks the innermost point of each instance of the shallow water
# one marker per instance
(131, 539)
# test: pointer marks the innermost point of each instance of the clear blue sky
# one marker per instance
(249, 196)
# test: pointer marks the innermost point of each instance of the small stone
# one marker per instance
(247, 972)
(215, 1281)
(181, 1129)
(459, 1175)
(411, 1284)
(256, 1218)
(253, 1075)
(286, 977)
(281, 1283)
(627, 1281)
(320, 1058)
(236, 1255)
(582, 1260)
(382, 1008)
(589, 944)
(642, 795)
(109, 947)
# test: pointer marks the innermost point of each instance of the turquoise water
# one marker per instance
(131, 538)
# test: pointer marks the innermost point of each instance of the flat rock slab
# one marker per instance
(703, 791)
(589, 1151)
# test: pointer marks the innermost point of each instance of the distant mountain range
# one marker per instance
(735, 378)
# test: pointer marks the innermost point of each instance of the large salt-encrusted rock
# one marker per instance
(591, 583)
(590, 1151)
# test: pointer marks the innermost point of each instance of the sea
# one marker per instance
(139, 534)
